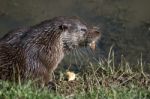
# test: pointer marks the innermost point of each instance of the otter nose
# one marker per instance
(96, 30)
(94, 33)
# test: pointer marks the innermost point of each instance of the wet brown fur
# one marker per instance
(35, 52)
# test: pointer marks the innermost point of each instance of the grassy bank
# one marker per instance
(103, 80)
(27, 92)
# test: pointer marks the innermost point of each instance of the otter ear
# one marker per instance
(63, 27)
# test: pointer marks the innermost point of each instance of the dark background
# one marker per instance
(125, 24)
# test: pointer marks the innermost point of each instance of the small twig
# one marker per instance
(127, 79)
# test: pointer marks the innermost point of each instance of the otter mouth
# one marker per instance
(69, 47)
(93, 36)
(92, 45)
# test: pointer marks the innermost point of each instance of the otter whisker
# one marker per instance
(80, 56)
(70, 59)
(93, 55)
(77, 55)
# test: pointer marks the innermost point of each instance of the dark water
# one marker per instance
(125, 23)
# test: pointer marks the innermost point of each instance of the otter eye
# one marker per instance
(84, 30)
(63, 27)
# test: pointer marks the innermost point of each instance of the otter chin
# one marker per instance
(35, 52)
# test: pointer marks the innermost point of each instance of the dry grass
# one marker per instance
(101, 80)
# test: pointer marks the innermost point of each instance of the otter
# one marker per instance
(35, 52)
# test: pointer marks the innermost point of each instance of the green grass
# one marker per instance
(101, 80)
(27, 92)
(13, 91)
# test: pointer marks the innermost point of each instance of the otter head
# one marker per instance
(76, 33)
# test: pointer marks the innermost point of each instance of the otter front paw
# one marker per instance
(51, 85)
